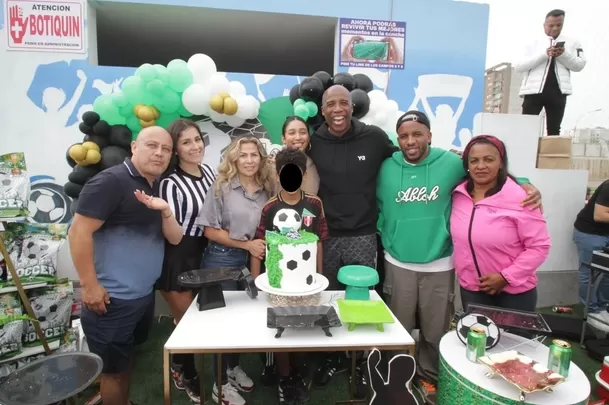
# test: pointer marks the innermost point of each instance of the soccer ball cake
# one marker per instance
(291, 260)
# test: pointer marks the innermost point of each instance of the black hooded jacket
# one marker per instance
(348, 166)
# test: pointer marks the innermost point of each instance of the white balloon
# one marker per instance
(216, 117)
(377, 97)
(381, 118)
(237, 89)
(244, 108)
(234, 121)
(392, 107)
(202, 67)
(218, 84)
(196, 100)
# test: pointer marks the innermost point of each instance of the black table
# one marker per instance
(51, 379)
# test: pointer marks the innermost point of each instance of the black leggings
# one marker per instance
(554, 105)
(526, 301)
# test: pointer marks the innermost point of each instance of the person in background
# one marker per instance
(498, 243)
(592, 233)
(117, 240)
(414, 201)
(291, 166)
(295, 136)
(230, 215)
(547, 64)
(347, 154)
(184, 187)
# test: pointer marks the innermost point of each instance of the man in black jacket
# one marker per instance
(348, 155)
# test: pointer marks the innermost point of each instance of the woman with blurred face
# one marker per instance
(184, 187)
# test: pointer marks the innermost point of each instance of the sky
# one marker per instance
(513, 23)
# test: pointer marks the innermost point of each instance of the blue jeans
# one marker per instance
(218, 256)
(599, 295)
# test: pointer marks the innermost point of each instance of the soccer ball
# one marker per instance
(469, 321)
(47, 205)
(287, 218)
(34, 250)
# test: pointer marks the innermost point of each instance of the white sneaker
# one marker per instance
(230, 396)
(240, 380)
(595, 320)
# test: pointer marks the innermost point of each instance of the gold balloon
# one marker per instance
(90, 146)
(146, 114)
(230, 106)
(136, 109)
(82, 163)
(224, 94)
(93, 156)
(146, 124)
(157, 113)
(216, 103)
(77, 152)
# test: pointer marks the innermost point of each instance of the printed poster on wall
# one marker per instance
(45, 26)
(372, 43)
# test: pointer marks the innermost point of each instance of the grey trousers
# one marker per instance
(432, 295)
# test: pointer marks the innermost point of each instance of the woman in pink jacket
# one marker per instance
(498, 243)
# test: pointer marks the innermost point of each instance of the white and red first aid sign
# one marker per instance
(45, 26)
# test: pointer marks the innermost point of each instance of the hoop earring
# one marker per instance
(309, 147)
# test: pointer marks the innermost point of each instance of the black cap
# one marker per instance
(413, 115)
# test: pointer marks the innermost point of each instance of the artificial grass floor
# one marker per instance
(147, 384)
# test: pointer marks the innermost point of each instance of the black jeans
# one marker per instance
(526, 301)
(554, 104)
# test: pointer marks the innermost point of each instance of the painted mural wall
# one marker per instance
(45, 92)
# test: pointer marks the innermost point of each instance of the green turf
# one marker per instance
(147, 385)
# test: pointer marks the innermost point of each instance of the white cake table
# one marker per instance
(241, 327)
(462, 382)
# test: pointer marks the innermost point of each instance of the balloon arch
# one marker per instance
(156, 95)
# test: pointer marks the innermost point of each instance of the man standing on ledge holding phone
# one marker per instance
(547, 66)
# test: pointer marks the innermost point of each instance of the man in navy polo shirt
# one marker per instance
(117, 246)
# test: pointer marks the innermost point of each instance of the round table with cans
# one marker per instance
(463, 382)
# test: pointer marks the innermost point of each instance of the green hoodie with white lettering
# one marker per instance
(414, 202)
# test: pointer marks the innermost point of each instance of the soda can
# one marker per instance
(562, 310)
(559, 359)
(476, 344)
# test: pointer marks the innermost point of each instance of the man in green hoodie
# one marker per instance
(414, 200)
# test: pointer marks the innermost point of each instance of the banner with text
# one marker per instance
(372, 43)
(45, 26)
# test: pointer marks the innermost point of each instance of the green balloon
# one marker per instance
(169, 103)
(134, 135)
(166, 119)
(116, 119)
(312, 108)
(126, 111)
(146, 72)
(119, 99)
(393, 137)
(301, 111)
(133, 123)
(177, 63)
(183, 112)
(156, 87)
(298, 102)
(162, 73)
(180, 78)
(132, 88)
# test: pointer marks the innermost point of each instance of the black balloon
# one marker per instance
(101, 141)
(344, 79)
(90, 118)
(325, 77)
(311, 89)
(112, 156)
(361, 103)
(363, 82)
(295, 93)
(71, 161)
(72, 190)
(85, 129)
(82, 174)
(316, 121)
(101, 128)
(120, 135)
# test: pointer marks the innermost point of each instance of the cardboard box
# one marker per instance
(554, 162)
(555, 145)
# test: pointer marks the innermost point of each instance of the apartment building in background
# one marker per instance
(501, 86)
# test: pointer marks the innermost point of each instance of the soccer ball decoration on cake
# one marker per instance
(287, 219)
(470, 320)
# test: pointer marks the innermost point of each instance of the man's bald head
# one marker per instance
(337, 109)
(152, 151)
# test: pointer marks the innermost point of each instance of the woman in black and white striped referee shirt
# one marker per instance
(184, 187)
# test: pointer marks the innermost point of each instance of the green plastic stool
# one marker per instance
(358, 280)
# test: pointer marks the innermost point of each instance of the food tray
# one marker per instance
(199, 278)
(548, 380)
(512, 319)
(359, 312)
(321, 316)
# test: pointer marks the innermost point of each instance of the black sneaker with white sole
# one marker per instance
(361, 384)
(286, 393)
(326, 371)
(301, 390)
